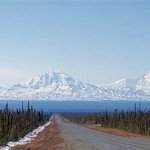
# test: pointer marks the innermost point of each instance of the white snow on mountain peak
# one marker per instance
(123, 84)
(56, 85)
(49, 79)
(144, 83)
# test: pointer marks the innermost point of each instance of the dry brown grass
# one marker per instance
(116, 132)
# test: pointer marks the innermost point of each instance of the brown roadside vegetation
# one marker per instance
(49, 139)
(117, 132)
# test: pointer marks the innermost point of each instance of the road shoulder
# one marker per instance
(117, 132)
(49, 139)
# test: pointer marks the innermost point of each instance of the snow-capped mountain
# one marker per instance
(140, 84)
(60, 86)
(144, 83)
(52, 85)
(123, 84)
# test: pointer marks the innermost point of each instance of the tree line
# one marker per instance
(136, 121)
(16, 124)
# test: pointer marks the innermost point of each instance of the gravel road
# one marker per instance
(82, 138)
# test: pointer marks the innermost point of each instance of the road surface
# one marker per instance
(82, 138)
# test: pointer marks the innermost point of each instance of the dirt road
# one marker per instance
(82, 138)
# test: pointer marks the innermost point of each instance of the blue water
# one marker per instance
(77, 106)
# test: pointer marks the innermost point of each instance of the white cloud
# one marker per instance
(9, 76)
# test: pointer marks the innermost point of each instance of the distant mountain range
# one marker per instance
(60, 86)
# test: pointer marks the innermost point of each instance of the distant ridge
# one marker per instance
(56, 85)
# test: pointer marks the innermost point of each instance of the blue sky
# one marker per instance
(94, 41)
